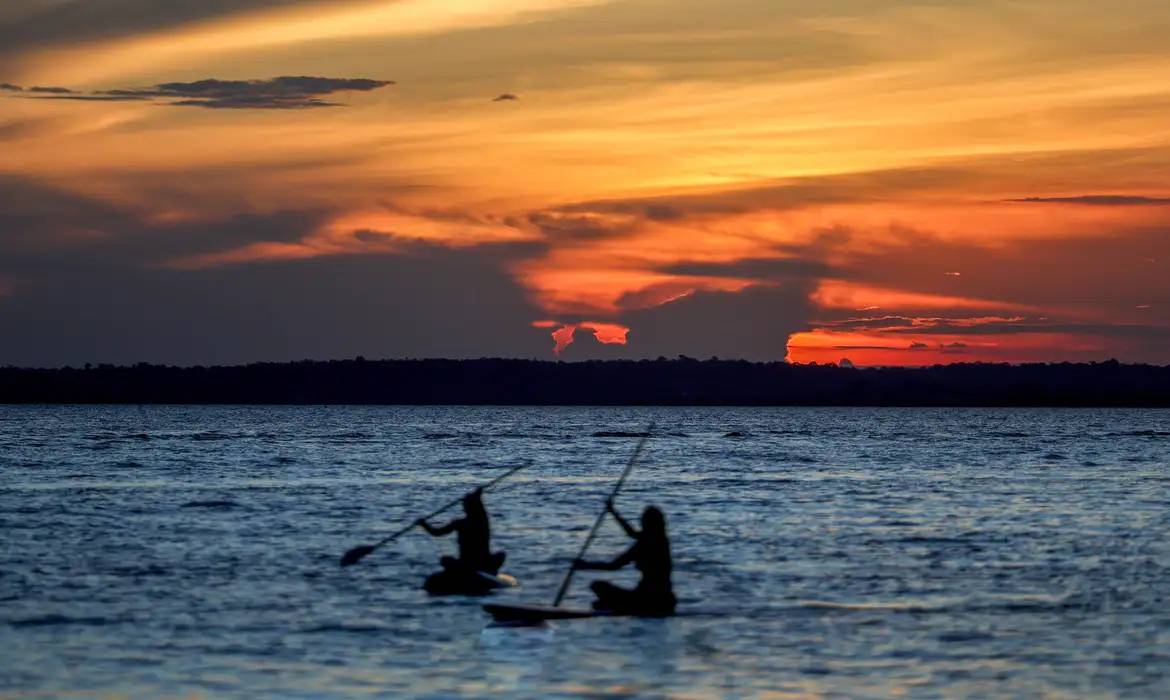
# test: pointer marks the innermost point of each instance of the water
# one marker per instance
(192, 552)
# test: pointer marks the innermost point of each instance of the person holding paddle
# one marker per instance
(474, 537)
(650, 554)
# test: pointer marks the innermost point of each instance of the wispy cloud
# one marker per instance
(1099, 200)
(285, 92)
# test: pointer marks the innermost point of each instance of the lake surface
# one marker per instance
(192, 552)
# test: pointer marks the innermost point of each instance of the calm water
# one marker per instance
(192, 552)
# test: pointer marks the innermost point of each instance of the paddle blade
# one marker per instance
(356, 554)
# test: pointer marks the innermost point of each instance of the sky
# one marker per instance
(892, 183)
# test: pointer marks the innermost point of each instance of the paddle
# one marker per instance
(356, 554)
(597, 523)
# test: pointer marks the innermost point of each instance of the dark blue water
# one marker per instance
(192, 552)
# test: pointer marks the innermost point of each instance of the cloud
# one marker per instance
(26, 24)
(285, 92)
(781, 194)
(50, 90)
(431, 302)
(583, 225)
(564, 334)
(754, 268)
(86, 285)
(958, 179)
(920, 324)
(563, 338)
(1099, 200)
(20, 128)
(1103, 268)
(753, 324)
(40, 223)
(9, 87)
(506, 97)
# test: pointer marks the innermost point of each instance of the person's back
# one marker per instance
(475, 538)
(652, 559)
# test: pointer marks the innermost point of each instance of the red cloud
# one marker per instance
(605, 333)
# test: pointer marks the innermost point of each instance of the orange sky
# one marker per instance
(888, 182)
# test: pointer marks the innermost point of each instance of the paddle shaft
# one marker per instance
(452, 504)
(600, 518)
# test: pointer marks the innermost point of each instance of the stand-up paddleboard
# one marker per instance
(448, 582)
(533, 614)
(521, 614)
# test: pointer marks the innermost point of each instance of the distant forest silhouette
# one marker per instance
(681, 381)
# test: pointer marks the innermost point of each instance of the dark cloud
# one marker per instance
(37, 218)
(868, 323)
(752, 324)
(50, 90)
(84, 284)
(1122, 266)
(990, 325)
(1114, 330)
(10, 87)
(506, 97)
(440, 304)
(955, 348)
(285, 92)
(754, 268)
(26, 24)
(39, 224)
(1100, 200)
(93, 97)
(661, 212)
(557, 226)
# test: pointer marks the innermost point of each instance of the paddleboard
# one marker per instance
(481, 583)
(531, 614)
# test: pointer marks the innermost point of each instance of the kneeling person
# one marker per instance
(473, 533)
(650, 554)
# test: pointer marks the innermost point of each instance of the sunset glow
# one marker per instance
(886, 183)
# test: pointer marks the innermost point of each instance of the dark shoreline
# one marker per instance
(678, 382)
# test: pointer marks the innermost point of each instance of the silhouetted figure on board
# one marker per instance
(474, 535)
(650, 554)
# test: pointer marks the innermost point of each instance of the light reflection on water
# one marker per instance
(192, 552)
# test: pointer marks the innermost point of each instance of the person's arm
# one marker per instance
(438, 531)
(620, 520)
(618, 562)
